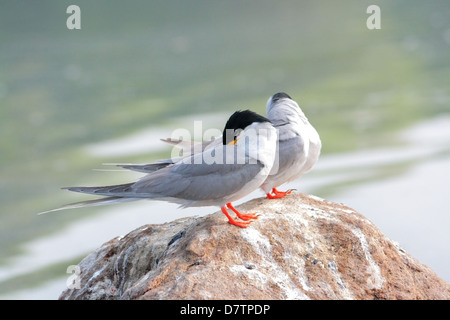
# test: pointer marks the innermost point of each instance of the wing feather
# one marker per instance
(198, 180)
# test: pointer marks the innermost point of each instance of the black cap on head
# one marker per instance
(280, 95)
(239, 121)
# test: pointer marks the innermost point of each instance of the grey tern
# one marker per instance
(298, 146)
(217, 176)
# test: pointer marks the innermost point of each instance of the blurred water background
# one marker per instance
(71, 100)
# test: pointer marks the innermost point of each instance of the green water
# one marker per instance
(138, 64)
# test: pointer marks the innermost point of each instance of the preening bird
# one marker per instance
(298, 145)
(217, 176)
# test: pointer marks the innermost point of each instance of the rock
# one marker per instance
(301, 247)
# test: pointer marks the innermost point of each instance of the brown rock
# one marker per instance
(301, 247)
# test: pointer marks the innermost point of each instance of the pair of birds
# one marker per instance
(265, 152)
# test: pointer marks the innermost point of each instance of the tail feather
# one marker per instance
(188, 147)
(182, 144)
(192, 147)
(146, 168)
(91, 203)
(120, 190)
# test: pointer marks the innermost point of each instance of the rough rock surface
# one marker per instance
(301, 247)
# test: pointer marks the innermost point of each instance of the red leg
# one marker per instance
(278, 194)
(242, 224)
(243, 216)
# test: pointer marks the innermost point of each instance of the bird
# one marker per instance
(216, 176)
(298, 146)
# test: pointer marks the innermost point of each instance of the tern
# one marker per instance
(217, 176)
(298, 146)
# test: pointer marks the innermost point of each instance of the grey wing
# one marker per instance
(290, 152)
(193, 181)
(198, 181)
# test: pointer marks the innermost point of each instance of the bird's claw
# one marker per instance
(242, 224)
(247, 216)
(275, 194)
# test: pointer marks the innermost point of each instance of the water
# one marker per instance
(73, 100)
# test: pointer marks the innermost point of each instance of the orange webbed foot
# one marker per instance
(243, 216)
(242, 224)
(278, 194)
